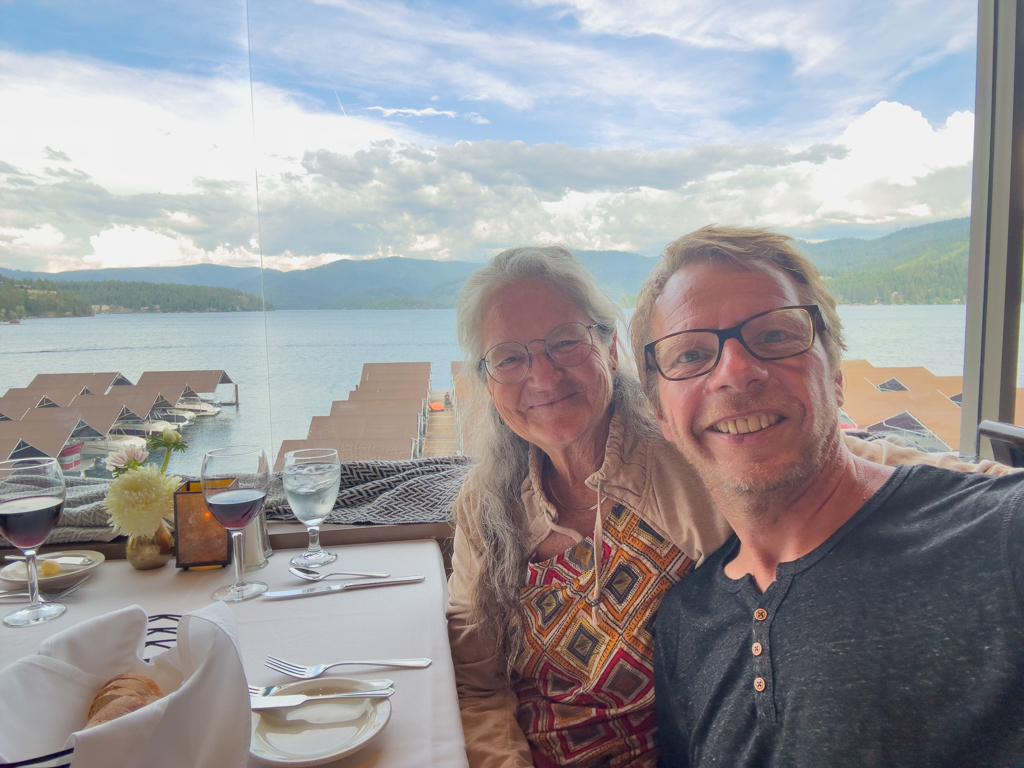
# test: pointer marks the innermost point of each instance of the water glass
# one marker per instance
(235, 481)
(311, 479)
(31, 500)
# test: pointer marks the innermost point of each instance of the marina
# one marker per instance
(304, 375)
(82, 418)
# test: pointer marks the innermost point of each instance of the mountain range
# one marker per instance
(924, 264)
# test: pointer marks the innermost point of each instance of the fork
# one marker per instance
(46, 597)
(270, 690)
(305, 673)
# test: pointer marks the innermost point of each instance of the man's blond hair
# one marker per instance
(745, 248)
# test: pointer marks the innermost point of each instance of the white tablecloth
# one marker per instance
(391, 622)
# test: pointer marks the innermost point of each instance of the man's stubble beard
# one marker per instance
(760, 493)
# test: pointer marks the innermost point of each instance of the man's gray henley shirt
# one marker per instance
(897, 642)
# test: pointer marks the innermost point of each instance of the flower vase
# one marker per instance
(147, 552)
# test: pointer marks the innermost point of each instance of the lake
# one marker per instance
(311, 358)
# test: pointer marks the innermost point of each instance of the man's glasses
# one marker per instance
(772, 335)
(567, 345)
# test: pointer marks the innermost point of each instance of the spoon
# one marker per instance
(310, 575)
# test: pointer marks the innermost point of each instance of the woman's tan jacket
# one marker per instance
(652, 479)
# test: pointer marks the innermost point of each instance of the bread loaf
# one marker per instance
(125, 693)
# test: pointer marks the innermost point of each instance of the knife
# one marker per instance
(277, 702)
(361, 584)
(64, 560)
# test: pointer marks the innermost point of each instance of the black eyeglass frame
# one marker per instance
(724, 334)
(485, 371)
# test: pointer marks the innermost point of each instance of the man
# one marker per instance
(862, 614)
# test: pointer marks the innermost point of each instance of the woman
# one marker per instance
(576, 520)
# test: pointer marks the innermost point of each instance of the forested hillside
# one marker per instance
(918, 265)
(20, 299)
(161, 297)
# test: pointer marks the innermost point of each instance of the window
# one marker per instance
(349, 164)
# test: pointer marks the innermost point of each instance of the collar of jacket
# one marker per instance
(622, 477)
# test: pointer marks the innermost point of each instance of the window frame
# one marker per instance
(997, 225)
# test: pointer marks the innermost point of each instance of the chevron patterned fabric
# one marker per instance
(412, 491)
(586, 692)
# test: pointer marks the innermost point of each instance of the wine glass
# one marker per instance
(31, 499)
(311, 479)
(235, 482)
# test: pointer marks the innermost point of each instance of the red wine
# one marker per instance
(28, 521)
(236, 509)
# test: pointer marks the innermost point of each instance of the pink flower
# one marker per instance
(127, 458)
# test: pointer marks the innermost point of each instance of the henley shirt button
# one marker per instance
(760, 614)
(756, 649)
(758, 683)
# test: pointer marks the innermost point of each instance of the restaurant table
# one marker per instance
(402, 621)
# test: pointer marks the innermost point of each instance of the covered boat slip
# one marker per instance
(403, 405)
(383, 418)
(352, 449)
(396, 372)
(196, 381)
(354, 425)
(394, 389)
(89, 407)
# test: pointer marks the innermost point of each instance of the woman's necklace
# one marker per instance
(551, 487)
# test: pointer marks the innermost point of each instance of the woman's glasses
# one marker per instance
(567, 345)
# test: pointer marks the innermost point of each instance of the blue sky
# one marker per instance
(454, 129)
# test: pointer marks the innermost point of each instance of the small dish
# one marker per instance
(318, 732)
(16, 575)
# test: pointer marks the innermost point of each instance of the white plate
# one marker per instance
(69, 574)
(318, 732)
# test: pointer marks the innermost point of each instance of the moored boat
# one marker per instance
(104, 446)
(175, 416)
(142, 428)
(197, 406)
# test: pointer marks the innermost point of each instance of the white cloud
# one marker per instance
(137, 131)
(428, 112)
(127, 246)
(130, 130)
(40, 239)
(287, 261)
(473, 117)
(475, 197)
(822, 37)
(893, 145)
(392, 47)
(649, 74)
(334, 186)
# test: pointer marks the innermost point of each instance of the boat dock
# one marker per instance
(392, 414)
(79, 417)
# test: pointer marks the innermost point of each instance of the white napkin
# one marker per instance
(203, 720)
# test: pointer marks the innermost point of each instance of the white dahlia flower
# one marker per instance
(139, 500)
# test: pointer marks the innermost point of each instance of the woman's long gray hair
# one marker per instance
(493, 487)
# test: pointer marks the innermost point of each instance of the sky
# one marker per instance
(292, 133)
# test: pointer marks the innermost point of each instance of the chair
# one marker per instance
(1007, 442)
